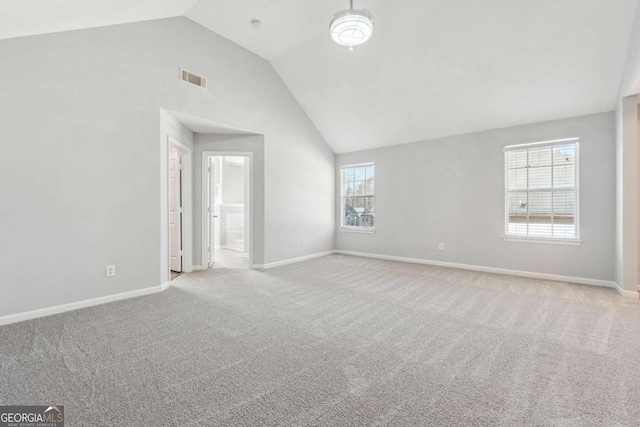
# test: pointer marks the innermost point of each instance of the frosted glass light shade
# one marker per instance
(352, 27)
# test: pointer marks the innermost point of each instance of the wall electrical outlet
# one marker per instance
(111, 270)
(303, 242)
(441, 246)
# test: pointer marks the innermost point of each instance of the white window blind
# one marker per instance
(358, 197)
(542, 190)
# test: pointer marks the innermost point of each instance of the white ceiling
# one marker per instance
(433, 67)
(29, 17)
(201, 125)
(444, 67)
(285, 23)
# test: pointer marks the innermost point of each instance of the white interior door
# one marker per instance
(175, 209)
(211, 212)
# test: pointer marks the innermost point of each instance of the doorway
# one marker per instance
(228, 210)
(175, 211)
(179, 196)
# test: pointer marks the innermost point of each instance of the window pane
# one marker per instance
(564, 176)
(540, 214)
(359, 174)
(348, 188)
(540, 157)
(358, 192)
(369, 172)
(349, 202)
(350, 214)
(518, 203)
(539, 177)
(540, 229)
(370, 186)
(348, 174)
(540, 204)
(517, 159)
(564, 154)
(564, 203)
(368, 203)
(564, 226)
(358, 187)
(541, 197)
(518, 179)
(367, 216)
(517, 214)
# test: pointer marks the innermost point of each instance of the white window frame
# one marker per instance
(574, 241)
(346, 228)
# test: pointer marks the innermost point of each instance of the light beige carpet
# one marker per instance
(336, 341)
(228, 258)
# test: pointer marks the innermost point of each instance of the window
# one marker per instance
(542, 191)
(358, 197)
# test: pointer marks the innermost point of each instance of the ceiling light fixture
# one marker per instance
(256, 23)
(351, 27)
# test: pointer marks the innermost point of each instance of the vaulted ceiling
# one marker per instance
(30, 17)
(433, 67)
(287, 24)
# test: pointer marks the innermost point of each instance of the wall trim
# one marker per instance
(197, 268)
(19, 317)
(495, 270)
(291, 260)
(43, 312)
(533, 275)
(627, 294)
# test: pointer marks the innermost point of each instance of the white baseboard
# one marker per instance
(290, 261)
(627, 294)
(19, 317)
(543, 276)
(197, 268)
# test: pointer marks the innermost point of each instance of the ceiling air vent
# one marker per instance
(194, 79)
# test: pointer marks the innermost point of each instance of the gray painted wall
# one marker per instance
(233, 183)
(451, 190)
(81, 147)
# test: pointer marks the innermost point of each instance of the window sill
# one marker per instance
(358, 230)
(517, 239)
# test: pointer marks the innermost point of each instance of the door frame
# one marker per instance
(205, 186)
(187, 216)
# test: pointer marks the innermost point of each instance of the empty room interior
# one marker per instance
(319, 213)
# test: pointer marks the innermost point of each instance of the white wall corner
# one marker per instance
(626, 262)
(627, 294)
